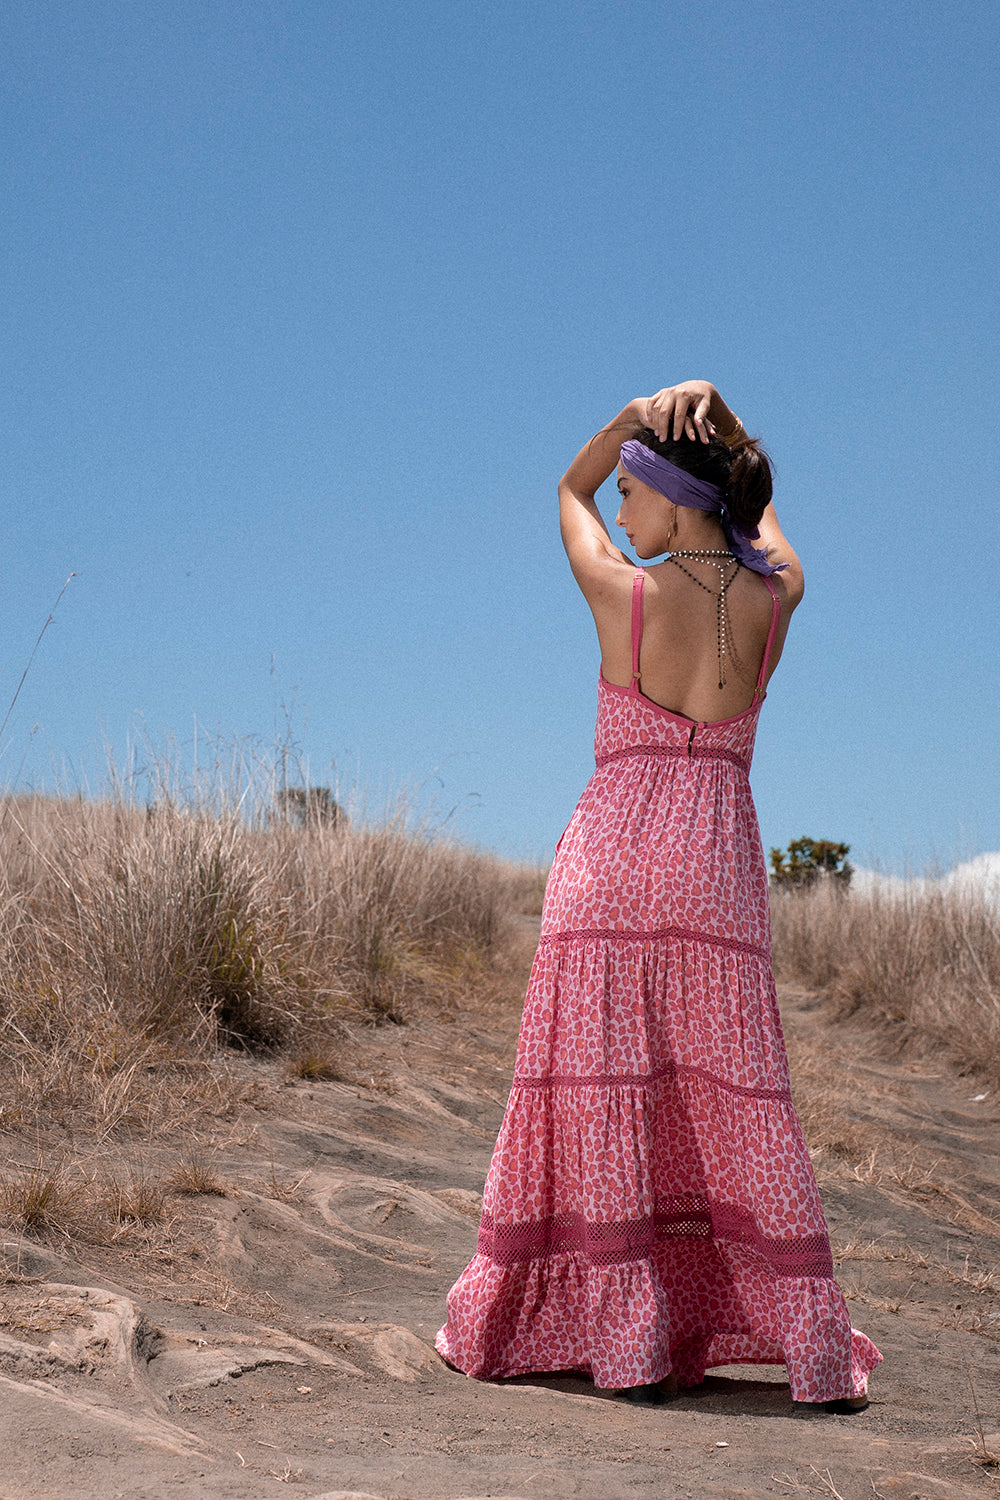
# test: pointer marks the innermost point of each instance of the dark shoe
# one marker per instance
(846, 1406)
(657, 1394)
(644, 1395)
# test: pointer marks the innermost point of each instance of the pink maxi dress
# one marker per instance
(651, 1207)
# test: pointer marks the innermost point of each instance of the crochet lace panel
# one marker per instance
(654, 935)
(647, 1080)
(676, 1218)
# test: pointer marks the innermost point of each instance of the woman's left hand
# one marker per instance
(681, 410)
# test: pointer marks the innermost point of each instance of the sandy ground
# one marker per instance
(277, 1339)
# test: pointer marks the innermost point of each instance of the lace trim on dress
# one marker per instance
(654, 935)
(633, 1239)
(643, 1080)
(683, 752)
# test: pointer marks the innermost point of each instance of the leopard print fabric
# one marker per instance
(651, 1207)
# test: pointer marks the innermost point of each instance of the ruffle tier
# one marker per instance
(651, 1206)
(683, 1309)
(628, 1002)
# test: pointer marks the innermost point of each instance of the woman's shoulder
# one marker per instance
(606, 579)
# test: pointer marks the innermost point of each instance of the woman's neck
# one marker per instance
(698, 531)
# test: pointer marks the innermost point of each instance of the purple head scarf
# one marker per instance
(682, 488)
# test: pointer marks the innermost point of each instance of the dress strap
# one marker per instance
(637, 583)
(775, 617)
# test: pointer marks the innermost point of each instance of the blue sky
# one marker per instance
(308, 306)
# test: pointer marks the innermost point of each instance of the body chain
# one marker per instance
(721, 613)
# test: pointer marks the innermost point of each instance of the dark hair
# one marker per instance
(743, 474)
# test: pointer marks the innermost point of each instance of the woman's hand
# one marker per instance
(682, 410)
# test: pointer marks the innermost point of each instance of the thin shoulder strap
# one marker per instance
(775, 617)
(637, 583)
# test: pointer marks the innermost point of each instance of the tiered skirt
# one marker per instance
(651, 1207)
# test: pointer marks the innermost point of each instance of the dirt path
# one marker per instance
(278, 1339)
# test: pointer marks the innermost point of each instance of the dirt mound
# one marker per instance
(280, 1332)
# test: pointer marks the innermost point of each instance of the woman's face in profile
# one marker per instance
(644, 515)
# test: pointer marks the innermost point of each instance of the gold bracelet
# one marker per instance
(732, 438)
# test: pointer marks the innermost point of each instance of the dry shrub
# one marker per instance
(134, 1196)
(318, 1067)
(138, 921)
(39, 1199)
(60, 1197)
(137, 941)
(918, 956)
(194, 1176)
(527, 889)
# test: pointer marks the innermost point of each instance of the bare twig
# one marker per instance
(49, 618)
(827, 1486)
(984, 1457)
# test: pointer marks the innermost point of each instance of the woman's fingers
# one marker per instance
(663, 412)
(684, 416)
(681, 411)
(696, 406)
(699, 419)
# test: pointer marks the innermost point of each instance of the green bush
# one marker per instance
(809, 860)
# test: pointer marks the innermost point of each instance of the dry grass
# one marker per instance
(320, 1066)
(39, 1199)
(861, 1249)
(134, 1196)
(925, 961)
(139, 944)
(79, 1199)
(194, 1176)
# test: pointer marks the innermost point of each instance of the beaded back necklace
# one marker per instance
(721, 613)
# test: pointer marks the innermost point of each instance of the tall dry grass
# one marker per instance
(922, 958)
(140, 941)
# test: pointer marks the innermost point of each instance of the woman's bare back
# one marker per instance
(679, 662)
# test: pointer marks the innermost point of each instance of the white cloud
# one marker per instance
(979, 877)
(981, 874)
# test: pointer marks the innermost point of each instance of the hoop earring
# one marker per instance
(673, 526)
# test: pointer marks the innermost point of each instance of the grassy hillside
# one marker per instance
(922, 958)
(139, 943)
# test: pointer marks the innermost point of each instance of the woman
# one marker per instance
(651, 1209)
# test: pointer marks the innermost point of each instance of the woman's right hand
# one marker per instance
(693, 410)
(682, 411)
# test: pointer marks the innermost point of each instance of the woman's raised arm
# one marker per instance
(789, 581)
(586, 538)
